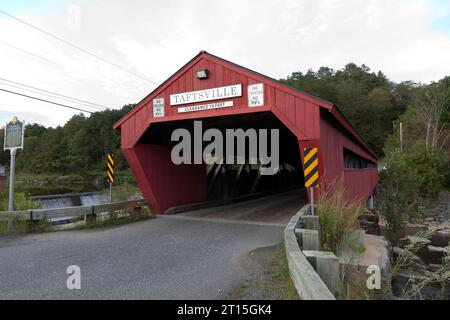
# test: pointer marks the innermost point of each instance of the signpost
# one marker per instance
(311, 171)
(14, 131)
(110, 173)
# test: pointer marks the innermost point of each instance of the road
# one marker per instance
(162, 258)
(277, 208)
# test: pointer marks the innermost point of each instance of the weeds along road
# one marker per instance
(162, 258)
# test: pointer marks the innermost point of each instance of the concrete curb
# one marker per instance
(308, 283)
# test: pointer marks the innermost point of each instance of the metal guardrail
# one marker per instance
(39, 214)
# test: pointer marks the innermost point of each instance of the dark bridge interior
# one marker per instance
(235, 181)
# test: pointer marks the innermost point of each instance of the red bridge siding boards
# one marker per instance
(165, 184)
(359, 183)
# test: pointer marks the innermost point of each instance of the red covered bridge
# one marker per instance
(254, 101)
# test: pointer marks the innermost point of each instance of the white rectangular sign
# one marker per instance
(201, 107)
(206, 95)
(255, 95)
(158, 108)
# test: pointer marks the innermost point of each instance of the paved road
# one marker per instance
(277, 208)
(163, 258)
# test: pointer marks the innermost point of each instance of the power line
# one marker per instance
(75, 46)
(49, 61)
(29, 53)
(43, 100)
(54, 93)
(48, 95)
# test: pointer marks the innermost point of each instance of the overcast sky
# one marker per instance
(406, 39)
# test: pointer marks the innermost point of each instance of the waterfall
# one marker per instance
(56, 203)
(92, 199)
(71, 200)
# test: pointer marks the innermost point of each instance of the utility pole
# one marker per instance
(12, 177)
(401, 137)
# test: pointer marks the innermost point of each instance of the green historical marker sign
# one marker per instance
(14, 134)
(13, 140)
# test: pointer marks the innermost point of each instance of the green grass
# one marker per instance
(337, 216)
(281, 263)
(124, 191)
(114, 221)
(18, 227)
(273, 281)
(21, 201)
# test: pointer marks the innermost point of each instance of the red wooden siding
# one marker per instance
(359, 183)
(165, 184)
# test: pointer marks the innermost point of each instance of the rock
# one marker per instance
(403, 252)
(441, 238)
(403, 280)
(436, 254)
(444, 216)
(418, 240)
(433, 267)
(369, 217)
(370, 223)
(414, 228)
(414, 240)
(443, 250)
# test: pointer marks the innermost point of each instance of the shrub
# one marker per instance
(398, 193)
(410, 177)
(337, 215)
(21, 202)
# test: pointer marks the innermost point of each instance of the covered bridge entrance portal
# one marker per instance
(223, 95)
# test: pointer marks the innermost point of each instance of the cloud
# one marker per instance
(155, 38)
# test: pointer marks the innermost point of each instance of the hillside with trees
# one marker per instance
(374, 104)
(77, 147)
(368, 99)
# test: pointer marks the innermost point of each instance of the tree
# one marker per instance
(431, 106)
(368, 99)
(4, 156)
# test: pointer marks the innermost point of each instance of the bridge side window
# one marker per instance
(355, 161)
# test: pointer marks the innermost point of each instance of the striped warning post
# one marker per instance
(110, 171)
(311, 167)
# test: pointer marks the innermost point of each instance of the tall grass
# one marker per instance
(21, 201)
(125, 191)
(337, 216)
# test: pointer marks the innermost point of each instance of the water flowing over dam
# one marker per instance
(71, 200)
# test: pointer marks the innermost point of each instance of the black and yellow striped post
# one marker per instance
(110, 173)
(311, 171)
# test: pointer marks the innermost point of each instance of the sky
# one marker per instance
(406, 39)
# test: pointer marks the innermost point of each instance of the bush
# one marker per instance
(21, 202)
(337, 216)
(410, 177)
(398, 194)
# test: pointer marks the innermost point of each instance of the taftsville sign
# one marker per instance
(206, 95)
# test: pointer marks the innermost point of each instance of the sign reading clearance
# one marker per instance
(208, 106)
(206, 95)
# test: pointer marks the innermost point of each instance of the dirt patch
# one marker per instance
(271, 281)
